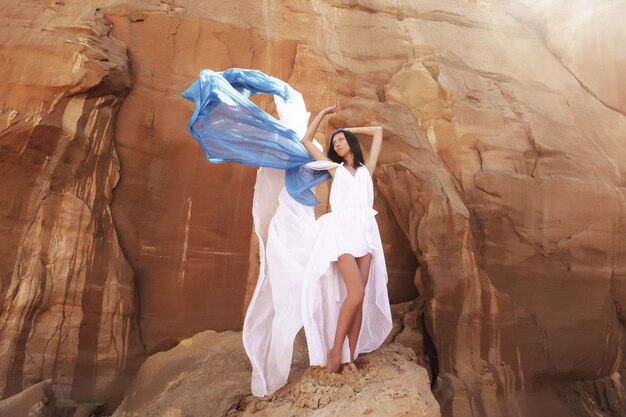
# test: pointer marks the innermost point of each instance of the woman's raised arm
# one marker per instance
(377, 142)
(307, 140)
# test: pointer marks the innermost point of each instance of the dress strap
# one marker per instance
(322, 165)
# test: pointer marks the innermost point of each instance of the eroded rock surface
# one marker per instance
(588, 39)
(387, 383)
(67, 291)
(35, 401)
(205, 375)
(209, 375)
(501, 185)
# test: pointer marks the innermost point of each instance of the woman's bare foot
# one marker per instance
(351, 366)
(333, 361)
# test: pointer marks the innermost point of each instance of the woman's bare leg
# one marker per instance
(363, 262)
(349, 270)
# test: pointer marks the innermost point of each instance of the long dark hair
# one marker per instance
(355, 147)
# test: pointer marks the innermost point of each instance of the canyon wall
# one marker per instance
(500, 187)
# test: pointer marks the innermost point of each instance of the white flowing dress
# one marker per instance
(350, 227)
(299, 283)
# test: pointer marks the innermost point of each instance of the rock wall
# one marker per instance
(67, 290)
(589, 40)
(500, 186)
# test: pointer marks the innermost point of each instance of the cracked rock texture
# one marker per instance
(67, 290)
(500, 189)
(209, 375)
(588, 39)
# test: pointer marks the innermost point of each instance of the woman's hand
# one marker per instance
(307, 140)
(330, 109)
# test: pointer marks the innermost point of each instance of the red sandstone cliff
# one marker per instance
(500, 190)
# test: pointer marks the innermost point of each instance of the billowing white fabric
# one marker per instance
(299, 284)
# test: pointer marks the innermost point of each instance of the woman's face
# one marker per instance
(340, 144)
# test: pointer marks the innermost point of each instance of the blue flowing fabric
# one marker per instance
(230, 127)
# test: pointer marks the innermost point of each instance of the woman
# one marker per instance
(299, 283)
(349, 225)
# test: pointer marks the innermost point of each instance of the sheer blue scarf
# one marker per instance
(230, 127)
